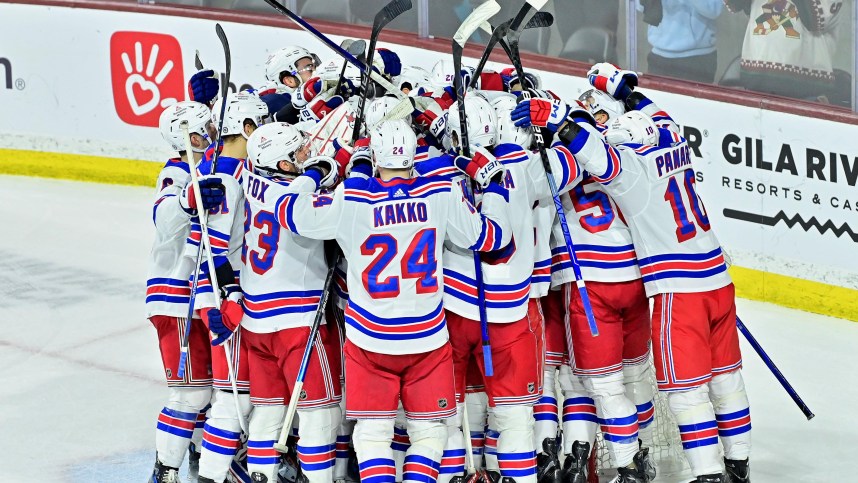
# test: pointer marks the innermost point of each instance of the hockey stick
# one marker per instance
(204, 240)
(479, 16)
(541, 19)
(224, 89)
(336, 48)
(772, 367)
(280, 445)
(514, 56)
(390, 11)
(354, 47)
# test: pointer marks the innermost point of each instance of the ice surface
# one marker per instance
(82, 382)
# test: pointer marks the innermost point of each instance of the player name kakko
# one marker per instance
(401, 212)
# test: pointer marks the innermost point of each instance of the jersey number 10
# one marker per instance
(685, 229)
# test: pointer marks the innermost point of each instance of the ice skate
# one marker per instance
(164, 474)
(737, 471)
(716, 478)
(575, 466)
(548, 463)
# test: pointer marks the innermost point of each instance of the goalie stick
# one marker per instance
(380, 79)
(514, 56)
(386, 15)
(475, 20)
(541, 19)
(204, 240)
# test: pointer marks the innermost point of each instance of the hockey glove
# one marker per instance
(342, 155)
(212, 193)
(541, 113)
(392, 64)
(223, 322)
(610, 79)
(308, 91)
(318, 108)
(482, 167)
(360, 164)
(204, 86)
(276, 101)
(323, 168)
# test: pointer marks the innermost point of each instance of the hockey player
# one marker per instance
(291, 66)
(515, 319)
(168, 290)
(391, 230)
(648, 172)
(244, 113)
(282, 281)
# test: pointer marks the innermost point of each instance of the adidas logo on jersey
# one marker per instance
(399, 194)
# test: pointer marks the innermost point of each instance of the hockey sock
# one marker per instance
(344, 437)
(579, 411)
(372, 438)
(453, 457)
(617, 415)
(639, 390)
(197, 439)
(317, 435)
(516, 451)
(222, 433)
(477, 407)
(401, 442)
(264, 427)
(545, 411)
(491, 448)
(177, 422)
(423, 460)
(697, 428)
(732, 413)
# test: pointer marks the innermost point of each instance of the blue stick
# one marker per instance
(772, 367)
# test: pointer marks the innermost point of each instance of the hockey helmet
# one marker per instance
(416, 79)
(239, 107)
(197, 115)
(598, 102)
(283, 61)
(632, 127)
(508, 132)
(482, 121)
(393, 145)
(272, 143)
(379, 108)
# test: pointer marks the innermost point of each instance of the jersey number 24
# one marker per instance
(418, 262)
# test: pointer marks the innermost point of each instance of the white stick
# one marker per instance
(204, 240)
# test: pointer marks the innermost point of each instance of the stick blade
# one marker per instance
(540, 20)
(537, 4)
(475, 20)
(390, 11)
(197, 62)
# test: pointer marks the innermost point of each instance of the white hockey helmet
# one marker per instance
(330, 71)
(393, 145)
(239, 106)
(482, 121)
(197, 115)
(632, 127)
(415, 78)
(378, 108)
(508, 132)
(283, 61)
(597, 101)
(272, 143)
(442, 74)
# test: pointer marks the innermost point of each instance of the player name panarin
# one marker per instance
(402, 212)
(672, 160)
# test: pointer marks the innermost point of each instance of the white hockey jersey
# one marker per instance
(283, 274)
(655, 188)
(544, 215)
(392, 234)
(168, 291)
(225, 226)
(507, 273)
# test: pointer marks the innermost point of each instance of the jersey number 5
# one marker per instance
(418, 262)
(685, 229)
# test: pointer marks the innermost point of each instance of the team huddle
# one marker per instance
(423, 232)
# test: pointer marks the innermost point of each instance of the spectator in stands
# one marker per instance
(682, 37)
(789, 46)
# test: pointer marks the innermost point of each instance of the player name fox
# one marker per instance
(397, 213)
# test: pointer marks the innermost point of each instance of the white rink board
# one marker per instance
(67, 105)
